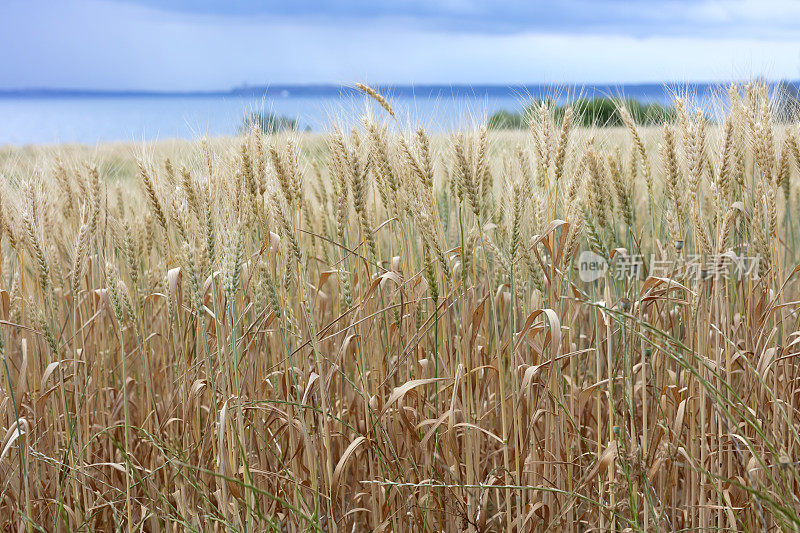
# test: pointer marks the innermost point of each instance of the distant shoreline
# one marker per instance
(36, 116)
(396, 91)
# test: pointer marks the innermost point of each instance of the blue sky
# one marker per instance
(205, 44)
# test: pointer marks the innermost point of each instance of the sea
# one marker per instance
(48, 116)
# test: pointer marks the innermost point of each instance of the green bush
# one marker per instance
(595, 112)
(506, 120)
(267, 122)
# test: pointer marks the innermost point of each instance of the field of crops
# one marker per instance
(560, 328)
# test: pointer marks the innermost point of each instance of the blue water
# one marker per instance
(93, 118)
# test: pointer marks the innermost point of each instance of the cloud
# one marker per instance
(641, 18)
(125, 45)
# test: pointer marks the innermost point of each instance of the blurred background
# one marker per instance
(138, 70)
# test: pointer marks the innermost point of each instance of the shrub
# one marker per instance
(506, 120)
(597, 112)
(267, 122)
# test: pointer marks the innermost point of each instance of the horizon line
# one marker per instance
(247, 89)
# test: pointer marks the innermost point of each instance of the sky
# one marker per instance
(216, 45)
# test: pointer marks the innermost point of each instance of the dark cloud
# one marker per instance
(639, 18)
(177, 44)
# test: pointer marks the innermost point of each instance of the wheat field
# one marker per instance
(388, 330)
